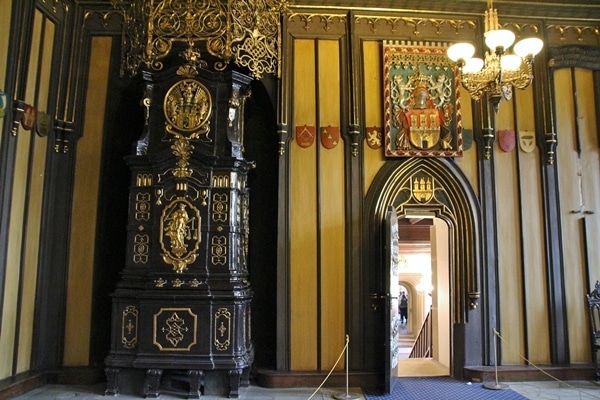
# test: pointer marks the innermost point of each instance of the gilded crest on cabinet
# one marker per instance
(187, 109)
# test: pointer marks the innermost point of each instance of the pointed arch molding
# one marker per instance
(437, 188)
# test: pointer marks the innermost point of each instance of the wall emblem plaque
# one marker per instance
(187, 109)
(421, 102)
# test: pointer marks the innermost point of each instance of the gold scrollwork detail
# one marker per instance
(219, 250)
(222, 329)
(180, 238)
(142, 206)
(129, 325)
(141, 246)
(220, 207)
(174, 329)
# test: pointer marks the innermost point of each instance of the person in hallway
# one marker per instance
(403, 307)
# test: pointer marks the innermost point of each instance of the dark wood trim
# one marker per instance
(519, 373)
(25, 382)
(277, 379)
(555, 274)
(355, 318)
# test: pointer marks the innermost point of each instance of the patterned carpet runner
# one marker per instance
(442, 388)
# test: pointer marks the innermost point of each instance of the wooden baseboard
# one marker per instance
(23, 383)
(277, 379)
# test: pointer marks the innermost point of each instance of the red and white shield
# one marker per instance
(305, 135)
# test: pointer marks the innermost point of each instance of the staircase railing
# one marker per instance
(423, 343)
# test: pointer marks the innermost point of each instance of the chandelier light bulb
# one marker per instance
(473, 65)
(460, 51)
(528, 47)
(499, 38)
(510, 62)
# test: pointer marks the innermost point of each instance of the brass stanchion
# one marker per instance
(496, 385)
(346, 396)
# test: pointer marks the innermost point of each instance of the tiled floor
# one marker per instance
(547, 390)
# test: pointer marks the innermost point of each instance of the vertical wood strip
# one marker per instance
(303, 211)
(332, 228)
(85, 200)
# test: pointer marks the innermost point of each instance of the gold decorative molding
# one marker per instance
(219, 250)
(220, 207)
(142, 206)
(247, 32)
(141, 247)
(326, 20)
(396, 23)
(175, 329)
(579, 31)
(222, 329)
(129, 327)
(180, 238)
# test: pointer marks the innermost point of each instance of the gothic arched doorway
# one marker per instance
(432, 188)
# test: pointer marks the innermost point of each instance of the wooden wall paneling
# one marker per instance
(509, 242)
(84, 208)
(590, 180)
(303, 209)
(332, 227)
(38, 153)
(14, 300)
(535, 301)
(589, 186)
(468, 162)
(570, 198)
(373, 92)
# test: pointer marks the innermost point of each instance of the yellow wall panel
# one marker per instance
(468, 162)
(303, 223)
(85, 200)
(534, 261)
(17, 218)
(332, 228)
(373, 94)
(570, 199)
(34, 217)
(5, 6)
(509, 246)
(590, 173)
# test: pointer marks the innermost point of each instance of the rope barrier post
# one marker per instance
(347, 395)
(496, 385)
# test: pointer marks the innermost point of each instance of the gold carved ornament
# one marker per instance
(180, 237)
(247, 32)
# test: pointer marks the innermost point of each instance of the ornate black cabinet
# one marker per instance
(183, 301)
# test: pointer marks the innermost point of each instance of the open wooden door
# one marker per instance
(392, 319)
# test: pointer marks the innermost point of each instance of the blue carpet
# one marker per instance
(442, 388)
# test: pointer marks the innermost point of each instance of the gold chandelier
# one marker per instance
(502, 69)
(246, 32)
